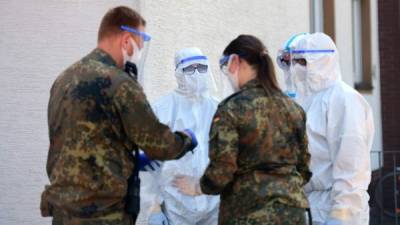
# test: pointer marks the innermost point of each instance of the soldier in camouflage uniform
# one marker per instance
(97, 113)
(258, 146)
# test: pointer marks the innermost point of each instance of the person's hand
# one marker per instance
(191, 134)
(145, 164)
(158, 218)
(333, 222)
(187, 185)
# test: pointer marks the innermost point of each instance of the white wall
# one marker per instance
(41, 38)
(211, 25)
(344, 41)
(38, 40)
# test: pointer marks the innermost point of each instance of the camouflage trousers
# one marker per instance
(272, 214)
(119, 218)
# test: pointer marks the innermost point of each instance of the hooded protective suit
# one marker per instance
(191, 107)
(340, 132)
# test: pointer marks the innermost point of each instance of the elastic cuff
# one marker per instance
(207, 186)
(198, 188)
(186, 142)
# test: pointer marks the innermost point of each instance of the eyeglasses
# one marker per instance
(201, 68)
(300, 61)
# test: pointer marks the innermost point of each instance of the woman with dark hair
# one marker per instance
(258, 146)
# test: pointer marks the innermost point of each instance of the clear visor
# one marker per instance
(283, 59)
(286, 58)
(223, 61)
(189, 65)
(143, 45)
(140, 66)
(224, 85)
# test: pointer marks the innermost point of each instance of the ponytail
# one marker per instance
(255, 53)
(266, 72)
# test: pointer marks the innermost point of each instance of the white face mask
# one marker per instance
(298, 78)
(135, 57)
(298, 72)
(194, 85)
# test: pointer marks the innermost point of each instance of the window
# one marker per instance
(317, 16)
(323, 17)
(362, 45)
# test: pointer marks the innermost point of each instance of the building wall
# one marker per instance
(38, 40)
(211, 25)
(389, 41)
(41, 38)
(344, 41)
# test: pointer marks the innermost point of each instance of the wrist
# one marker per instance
(198, 188)
(155, 208)
(339, 214)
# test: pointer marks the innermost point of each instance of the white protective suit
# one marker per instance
(188, 107)
(340, 131)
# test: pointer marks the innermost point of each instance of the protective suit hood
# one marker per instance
(321, 54)
(197, 84)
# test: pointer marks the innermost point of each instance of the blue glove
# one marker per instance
(194, 139)
(333, 222)
(145, 164)
(158, 219)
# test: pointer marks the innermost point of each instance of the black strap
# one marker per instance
(309, 216)
(137, 162)
(131, 70)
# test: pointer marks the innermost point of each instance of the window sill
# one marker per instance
(363, 87)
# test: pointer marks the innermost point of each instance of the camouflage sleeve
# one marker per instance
(143, 128)
(223, 152)
(304, 155)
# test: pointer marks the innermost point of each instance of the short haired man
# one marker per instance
(97, 114)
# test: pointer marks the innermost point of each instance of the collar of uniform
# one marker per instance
(251, 84)
(103, 57)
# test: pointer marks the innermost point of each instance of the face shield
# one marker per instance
(283, 58)
(229, 82)
(193, 74)
(135, 66)
(300, 68)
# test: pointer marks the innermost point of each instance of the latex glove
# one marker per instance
(158, 218)
(145, 164)
(333, 222)
(191, 134)
(187, 185)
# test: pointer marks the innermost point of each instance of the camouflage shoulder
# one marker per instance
(118, 77)
(66, 74)
(125, 85)
(226, 108)
(237, 99)
(231, 105)
(298, 107)
(122, 76)
(229, 98)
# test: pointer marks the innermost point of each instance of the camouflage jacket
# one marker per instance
(96, 114)
(258, 152)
